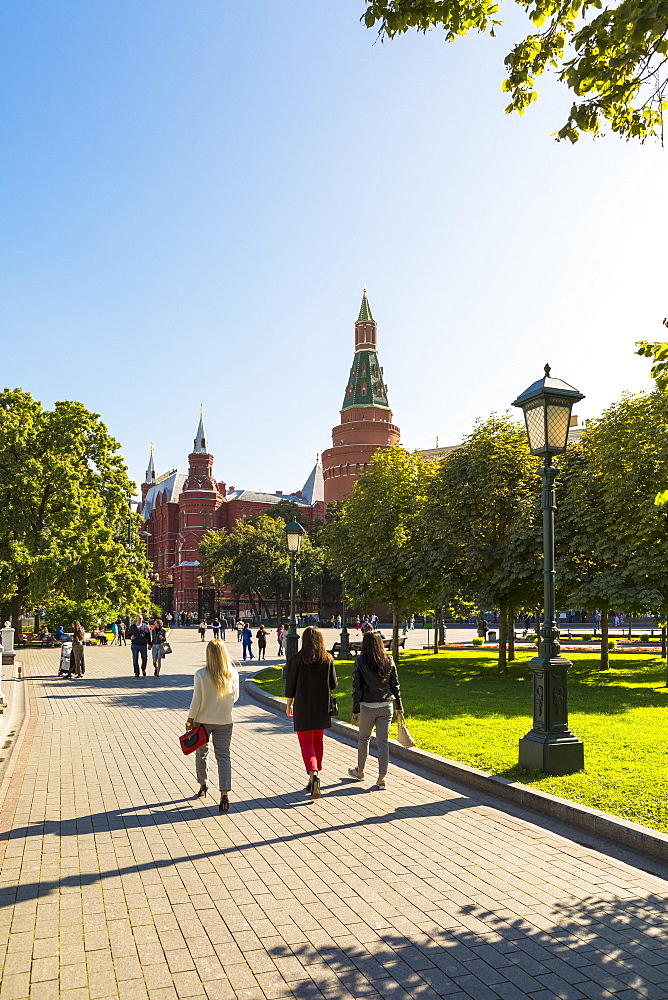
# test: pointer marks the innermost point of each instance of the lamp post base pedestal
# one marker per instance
(556, 753)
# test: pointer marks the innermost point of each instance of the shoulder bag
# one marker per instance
(166, 648)
(403, 735)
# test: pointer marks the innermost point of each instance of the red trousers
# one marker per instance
(310, 744)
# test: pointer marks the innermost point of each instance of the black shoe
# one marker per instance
(144, 673)
(203, 789)
(310, 783)
(224, 804)
(315, 787)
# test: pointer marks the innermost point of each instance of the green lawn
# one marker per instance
(458, 706)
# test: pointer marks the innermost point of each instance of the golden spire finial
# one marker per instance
(152, 447)
(364, 290)
(201, 410)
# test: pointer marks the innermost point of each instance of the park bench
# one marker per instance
(356, 646)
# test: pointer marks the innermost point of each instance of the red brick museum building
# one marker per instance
(178, 510)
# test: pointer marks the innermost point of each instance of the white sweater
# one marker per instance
(208, 704)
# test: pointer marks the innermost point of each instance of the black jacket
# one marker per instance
(367, 686)
(310, 685)
(139, 635)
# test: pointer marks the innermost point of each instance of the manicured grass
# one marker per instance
(457, 705)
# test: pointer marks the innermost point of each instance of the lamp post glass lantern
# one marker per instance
(550, 746)
(293, 534)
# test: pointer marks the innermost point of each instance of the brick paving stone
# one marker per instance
(116, 883)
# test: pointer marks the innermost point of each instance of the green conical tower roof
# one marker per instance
(365, 310)
(366, 386)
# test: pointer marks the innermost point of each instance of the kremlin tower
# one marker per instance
(366, 418)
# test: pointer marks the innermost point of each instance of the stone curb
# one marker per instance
(632, 835)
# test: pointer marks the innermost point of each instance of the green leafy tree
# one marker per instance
(483, 523)
(612, 59)
(657, 350)
(65, 527)
(253, 560)
(373, 534)
(612, 538)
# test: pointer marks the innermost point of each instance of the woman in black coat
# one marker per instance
(309, 683)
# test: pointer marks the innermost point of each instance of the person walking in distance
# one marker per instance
(121, 632)
(261, 636)
(375, 690)
(202, 630)
(309, 683)
(280, 632)
(247, 640)
(223, 628)
(240, 629)
(140, 642)
(78, 639)
(215, 625)
(216, 689)
(157, 646)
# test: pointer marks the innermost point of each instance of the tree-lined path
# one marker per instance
(116, 883)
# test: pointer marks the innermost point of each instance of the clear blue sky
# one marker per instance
(194, 192)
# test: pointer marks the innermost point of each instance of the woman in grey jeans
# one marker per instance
(216, 689)
(375, 691)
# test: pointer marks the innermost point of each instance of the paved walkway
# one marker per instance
(117, 884)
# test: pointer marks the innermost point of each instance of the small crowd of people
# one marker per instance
(309, 686)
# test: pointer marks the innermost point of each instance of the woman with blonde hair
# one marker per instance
(309, 683)
(216, 689)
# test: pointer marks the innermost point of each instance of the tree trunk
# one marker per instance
(503, 632)
(511, 634)
(15, 606)
(395, 637)
(664, 644)
(605, 652)
(437, 623)
(538, 613)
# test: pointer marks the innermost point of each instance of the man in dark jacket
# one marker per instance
(140, 642)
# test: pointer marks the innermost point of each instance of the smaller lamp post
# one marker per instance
(344, 645)
(293, 533)
(550, 746)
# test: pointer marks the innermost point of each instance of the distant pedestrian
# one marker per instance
(240, 629)
(309, 683)
(168, 620)
(482, 628)
(157, 646)
(411, 623)
(357, 623)
(202, 629)
(215, 690)
(247, 639)
(280, 633)
(223, 628)
(375, 692)
(337, 622)
(114, 632)
(121, 633)
(261, 636)
(215, 625)
(78, 640)
(140, 643)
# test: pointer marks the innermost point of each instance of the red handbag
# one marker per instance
(194, 738)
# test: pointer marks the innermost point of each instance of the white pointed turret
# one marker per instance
(150, 471)
(200, 446)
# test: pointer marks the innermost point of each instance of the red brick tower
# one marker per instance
(366, 418)
(199, 502)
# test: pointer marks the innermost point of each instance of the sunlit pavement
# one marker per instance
(117, 883)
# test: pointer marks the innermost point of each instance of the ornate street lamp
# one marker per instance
(293, 533)
(550, 746)
(344, 645)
